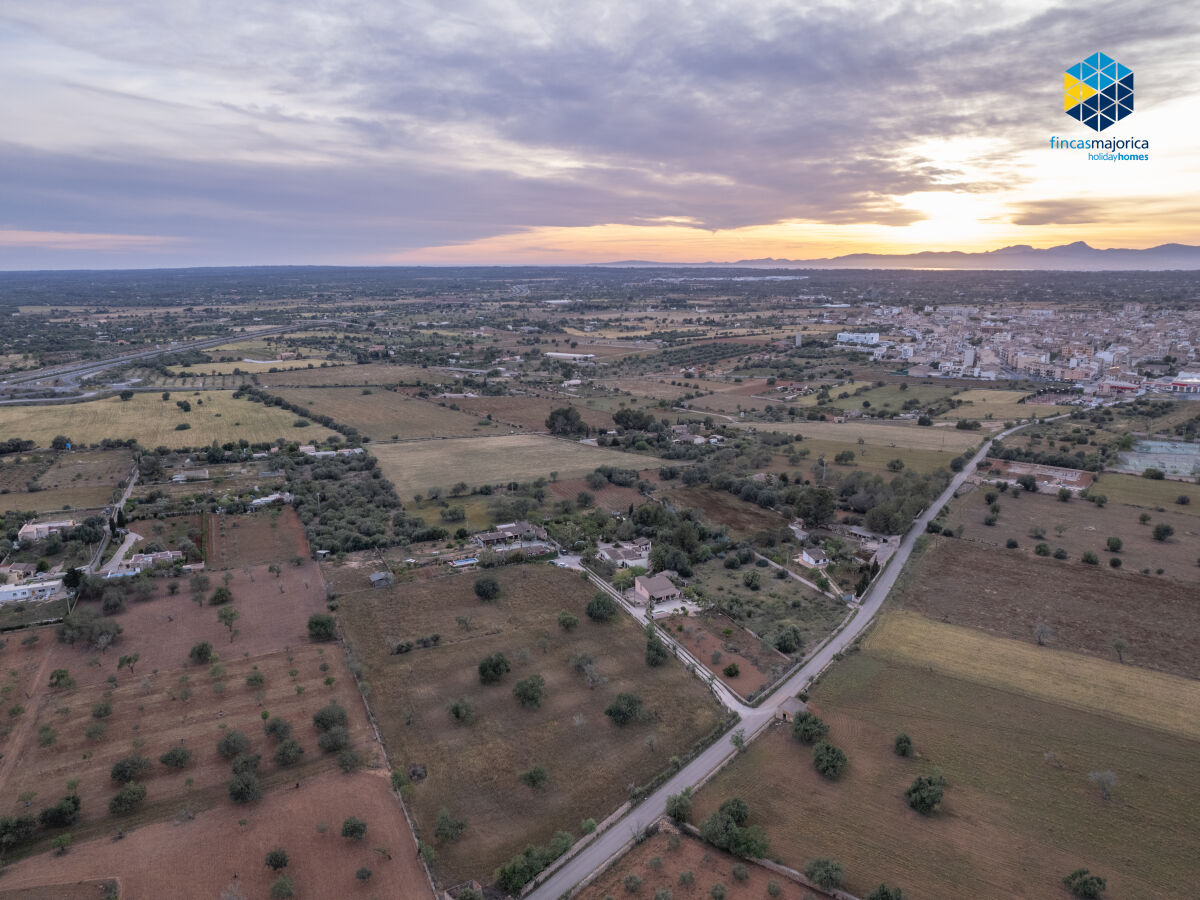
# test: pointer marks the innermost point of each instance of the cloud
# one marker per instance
(306, 133)
(1058, 212)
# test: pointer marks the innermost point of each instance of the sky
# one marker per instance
(208, 132)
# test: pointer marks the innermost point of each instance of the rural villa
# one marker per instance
(651, 589)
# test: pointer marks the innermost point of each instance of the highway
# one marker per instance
(615, 839)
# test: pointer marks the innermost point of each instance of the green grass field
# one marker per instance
(416, 466)
(1019, 811)
(880, 436)
(215, 416)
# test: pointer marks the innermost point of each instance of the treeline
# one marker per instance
(258, 395)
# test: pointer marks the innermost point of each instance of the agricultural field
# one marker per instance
(416, 466)
(259, 538)
(214, 853)
(83, 480)
(661, 859)
(1086, 608)
(530, 413)
(717, 642)
(1078, 526)
(869, 458)
(777, 605)
(215, 416)
(472, 770)
(881, 437)
(1019, 810)
(999, 406)
(384, 415)
(349, 375)
(743, 520)
(242, 367)
(103, 712)
(1148, 493)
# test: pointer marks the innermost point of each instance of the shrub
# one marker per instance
(349, 760)
(1114, 544)
(354, 828)
(925, 793)
(461, 711)
(127, 799)
(535, 777)
(336, 738)
(1011, 544)
(717, 891)
(255, 679)
(448, 828)
(492, 668)
(281, 888)
(102, 710)
(1085, 885)
(95, 731)
(321, 627)
(726, 828)
(277, 859)
(808, 728)
(487, 588)
(625, 708)
(828, 760)
(62, 814)
(903, 745)
(824, 873)
(530, 691)
(176, 757)
(679, 806)
(288, 753)
(363, 874)
(732, 670)
(774, 889)
(330, 716)
(1115, 562)
(277, 728)
(1162, 531)
(1090, 558)
(1042, 549)
(687, 878)
(129, 768)
(602, 608)
(244, 787)
(656, 651)
(566, 621)
(201, 654)
(740, 872)
(232, 744)
(883, 892)
(632, 883)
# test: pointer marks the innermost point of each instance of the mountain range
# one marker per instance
(1078, 256)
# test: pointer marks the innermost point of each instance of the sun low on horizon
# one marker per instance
(526, 134)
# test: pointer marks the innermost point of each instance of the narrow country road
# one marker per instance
(613, 840)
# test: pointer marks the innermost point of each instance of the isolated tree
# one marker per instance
(201, 653)
(1085, 885)
(828, 760)
(321, 627)
(129, 769)
(220, 596)
(227, 616)
(354, 828)
(625, 708)
(530, 691)
(244, 787)
(363, 874)
(679, 806)
(62, 814)
(448, 828)
(1064, 494)
(1162, 531)
(288, 753)
(824, 873)
(128, 662)
(492, 668)
(61, 678)
(330, 716)
(567, 621)
(487, 588)
(127, 799)
(925, 793)
(1106, 780)
(903, 745)
(277, 859)
(602, 608)
(656, 651)
(282, 888)
(1114, 544)
(335, 739)
(462, 712)
(808, 728)
(1120, 645)
(535, 777)
(176, 757)
(233, 743)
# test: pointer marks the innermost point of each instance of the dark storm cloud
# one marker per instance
(377, 128)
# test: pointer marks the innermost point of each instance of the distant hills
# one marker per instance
(1078, 256)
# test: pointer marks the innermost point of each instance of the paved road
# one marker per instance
(613, 841)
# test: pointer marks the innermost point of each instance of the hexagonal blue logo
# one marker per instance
(1098, 91)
